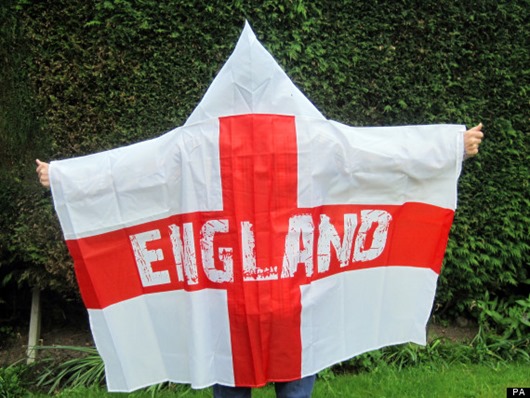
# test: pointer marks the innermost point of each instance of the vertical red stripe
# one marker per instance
(259, 177)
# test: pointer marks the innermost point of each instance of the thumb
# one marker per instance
(478, 127)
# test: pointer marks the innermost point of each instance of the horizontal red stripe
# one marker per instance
(107, 271)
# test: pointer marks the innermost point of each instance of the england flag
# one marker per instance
(259, 241)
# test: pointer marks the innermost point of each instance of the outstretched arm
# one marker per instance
(43, 172)
(472, 139)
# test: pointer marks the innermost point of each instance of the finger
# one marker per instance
(478, 127)
(40, 165)
(44, 180)
(472, 134)
(475, 134)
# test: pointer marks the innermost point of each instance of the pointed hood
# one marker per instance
(251, 81)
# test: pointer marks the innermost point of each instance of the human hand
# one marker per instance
(472, 139)
(43, 172)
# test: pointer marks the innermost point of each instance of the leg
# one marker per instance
(220, 391)
(296, 389)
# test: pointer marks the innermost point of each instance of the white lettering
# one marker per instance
(363, 239)
(301, 232)
(251, 272)
(184, 253)
(328, 236)
(144, 258)
(368, 217)
(208, 231)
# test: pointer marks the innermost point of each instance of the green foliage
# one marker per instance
(11, 385)
(441, 352)
(83, 371)
(504, 329)
(86, 370)
(489, 247)
(18, 124)
(80, 77)
(27, 254)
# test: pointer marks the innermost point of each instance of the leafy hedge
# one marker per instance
(107, 73)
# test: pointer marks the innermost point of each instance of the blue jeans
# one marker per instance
(301, 388)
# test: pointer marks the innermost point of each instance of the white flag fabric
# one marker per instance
(259, 242)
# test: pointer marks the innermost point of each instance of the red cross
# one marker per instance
(258, 155)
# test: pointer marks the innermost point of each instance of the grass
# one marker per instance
(430, 380)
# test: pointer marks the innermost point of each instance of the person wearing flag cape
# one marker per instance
(226, 252)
